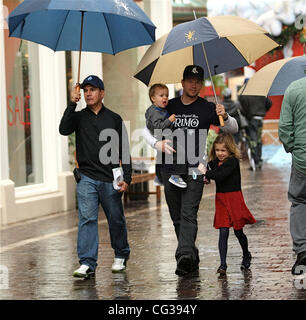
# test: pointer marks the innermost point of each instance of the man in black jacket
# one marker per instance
(254, 108)
(97, 156)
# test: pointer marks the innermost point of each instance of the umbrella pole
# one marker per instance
(80, 52)
(210, 76)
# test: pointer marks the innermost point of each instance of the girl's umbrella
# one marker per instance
(217, 44)
(274, 78)
(108, 26)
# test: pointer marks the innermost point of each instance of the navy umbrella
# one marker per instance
(217, 44)
(108, 26)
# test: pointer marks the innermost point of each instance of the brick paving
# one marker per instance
(40, 255)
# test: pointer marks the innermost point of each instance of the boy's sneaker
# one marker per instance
(119, 265)
(178, 181)
(83, 272)
(157, 182)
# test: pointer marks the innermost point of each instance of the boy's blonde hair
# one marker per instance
(154, 87)
(229, 143)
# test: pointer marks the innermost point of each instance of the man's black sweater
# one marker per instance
(88, 128)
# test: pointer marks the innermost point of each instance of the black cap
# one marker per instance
(93, 81)
(193, 71)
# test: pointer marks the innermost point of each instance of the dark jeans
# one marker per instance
(183, 206)
(254, 132)
(297, 197)
(91, 193)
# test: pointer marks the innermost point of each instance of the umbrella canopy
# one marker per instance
(274, 78)
(230, 42)
(108, 26)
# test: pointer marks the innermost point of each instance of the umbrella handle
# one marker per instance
(221, 120)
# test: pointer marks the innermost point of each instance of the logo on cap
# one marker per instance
(194, 70)
(89, 78)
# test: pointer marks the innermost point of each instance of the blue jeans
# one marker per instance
(90, 194)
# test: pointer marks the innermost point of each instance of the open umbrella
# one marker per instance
(274, 78)
(230, 42)
(217, 44)
(108, 26)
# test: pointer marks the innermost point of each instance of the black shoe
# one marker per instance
(300, 264)
(222, 269)
(184, 265)
(246, 261)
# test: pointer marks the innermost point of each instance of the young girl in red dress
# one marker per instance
(230, 208)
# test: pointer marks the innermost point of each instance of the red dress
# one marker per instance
(231, 211)
(230, 208)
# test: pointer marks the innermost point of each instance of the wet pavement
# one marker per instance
(40, 255)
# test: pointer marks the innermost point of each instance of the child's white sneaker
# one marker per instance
(178, 181)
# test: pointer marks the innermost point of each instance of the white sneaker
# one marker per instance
(178, 181)
(83, 272)
(119, 265)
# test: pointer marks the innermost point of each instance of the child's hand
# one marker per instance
(172, 118)
(202, 168)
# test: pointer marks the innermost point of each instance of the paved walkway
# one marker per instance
(40, 255)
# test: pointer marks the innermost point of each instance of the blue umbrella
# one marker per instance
(108, 26)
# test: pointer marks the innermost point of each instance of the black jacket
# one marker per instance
(227, 176)
(254, 106)
(94, 143)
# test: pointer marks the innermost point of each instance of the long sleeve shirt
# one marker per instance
(101, 142)
(157, 118)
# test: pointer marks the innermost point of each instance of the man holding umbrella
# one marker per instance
(95, 174)
(183, 204)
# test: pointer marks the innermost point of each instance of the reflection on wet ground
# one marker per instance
(41, 254)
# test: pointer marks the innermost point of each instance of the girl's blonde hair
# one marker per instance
(229, 143)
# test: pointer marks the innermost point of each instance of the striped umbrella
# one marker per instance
(274, 78)
(217, 44)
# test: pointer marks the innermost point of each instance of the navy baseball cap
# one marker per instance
(193, 71)
(93, 81)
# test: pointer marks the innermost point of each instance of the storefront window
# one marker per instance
(23, 108)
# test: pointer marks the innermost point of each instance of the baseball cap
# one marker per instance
(192, 71)
(93, 81)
